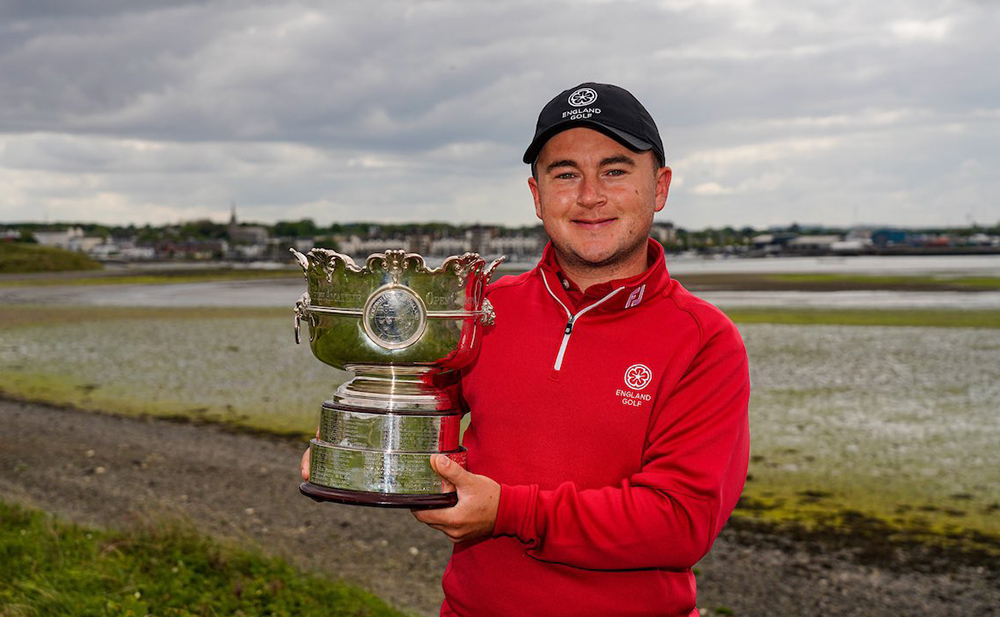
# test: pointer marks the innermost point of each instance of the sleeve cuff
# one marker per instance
(514, 513)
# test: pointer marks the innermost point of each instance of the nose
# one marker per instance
(591, 194)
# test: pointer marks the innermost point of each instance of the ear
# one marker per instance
(663, 177)
(533, 187)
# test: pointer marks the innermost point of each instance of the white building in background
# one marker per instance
(516, 247)
(58, 239)
(813, 243)
(72, 239)
(664, 233)
(451, 246)
(483, 240)
(357, 247)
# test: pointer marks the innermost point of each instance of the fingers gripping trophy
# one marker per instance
(398, 326)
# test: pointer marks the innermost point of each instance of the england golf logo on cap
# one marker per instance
(582, 97)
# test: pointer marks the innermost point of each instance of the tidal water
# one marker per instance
(283, 293)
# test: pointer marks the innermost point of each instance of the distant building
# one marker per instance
(664, 233)
(245, 234)
(443, 247)
(889, 237)
(72, 239)
(516, 248)
(480, 237)
(812, 244)
(772, 243)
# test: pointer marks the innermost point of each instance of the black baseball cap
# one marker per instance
(602, 107)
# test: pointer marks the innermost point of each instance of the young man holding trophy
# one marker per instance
(609, 436)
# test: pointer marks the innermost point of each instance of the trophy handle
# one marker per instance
(302, 259)
(488, 316)
(493, 266)
(300, 310)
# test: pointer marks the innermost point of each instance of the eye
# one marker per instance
(566, 175)
(616, 172)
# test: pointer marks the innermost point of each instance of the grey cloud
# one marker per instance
(278, 104)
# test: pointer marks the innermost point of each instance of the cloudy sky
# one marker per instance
(771, 111)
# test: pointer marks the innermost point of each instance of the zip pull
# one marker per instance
(569, 326)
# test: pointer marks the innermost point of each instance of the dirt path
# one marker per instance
(112, 471)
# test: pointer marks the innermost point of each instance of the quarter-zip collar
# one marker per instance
(634, 288)
(619, 295)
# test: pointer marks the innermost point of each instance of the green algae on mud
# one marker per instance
(889, 422)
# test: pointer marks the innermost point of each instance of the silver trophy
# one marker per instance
(400, 327)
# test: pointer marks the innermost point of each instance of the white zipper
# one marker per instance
(571, 318)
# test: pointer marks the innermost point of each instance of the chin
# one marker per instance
(598, 258)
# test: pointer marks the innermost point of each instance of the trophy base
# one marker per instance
(380, 500)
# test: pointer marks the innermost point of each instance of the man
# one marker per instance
(609, 441)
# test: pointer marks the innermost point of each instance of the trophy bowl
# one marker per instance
(398, 326)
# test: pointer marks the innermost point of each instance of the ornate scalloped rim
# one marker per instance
(464, 261)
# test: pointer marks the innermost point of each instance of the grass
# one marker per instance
(17, 257)
(820, 281)
(152, 277)
(52, 569)
(21, 316)
(925, 318)
(889, 281)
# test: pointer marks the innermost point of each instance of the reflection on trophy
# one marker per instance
(398, 325)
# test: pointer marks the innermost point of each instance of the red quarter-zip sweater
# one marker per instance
(617, 427)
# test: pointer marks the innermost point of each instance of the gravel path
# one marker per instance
(113, 471)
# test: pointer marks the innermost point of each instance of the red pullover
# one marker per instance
(617, 428)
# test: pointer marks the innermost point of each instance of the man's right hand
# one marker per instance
(304, 464)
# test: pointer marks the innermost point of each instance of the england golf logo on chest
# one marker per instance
(637, 377)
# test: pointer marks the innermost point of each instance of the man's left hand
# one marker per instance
(476, 511)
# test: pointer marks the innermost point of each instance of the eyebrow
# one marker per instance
(562, 163)
(619, 159)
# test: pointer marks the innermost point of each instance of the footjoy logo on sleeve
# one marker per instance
(637, 377)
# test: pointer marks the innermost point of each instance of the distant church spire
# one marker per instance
(232, 216)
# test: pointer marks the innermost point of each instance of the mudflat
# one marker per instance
(114, 471)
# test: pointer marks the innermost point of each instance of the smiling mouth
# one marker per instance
(594, 224)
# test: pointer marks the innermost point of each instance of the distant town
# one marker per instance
(204, 240)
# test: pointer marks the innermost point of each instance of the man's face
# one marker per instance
(596, 198)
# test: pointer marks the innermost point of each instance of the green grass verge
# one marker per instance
(17, 257)
(883, 281)
(165, 277)
(928, 318)
(51, 568)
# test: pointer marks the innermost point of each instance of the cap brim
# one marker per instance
(631, 142)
